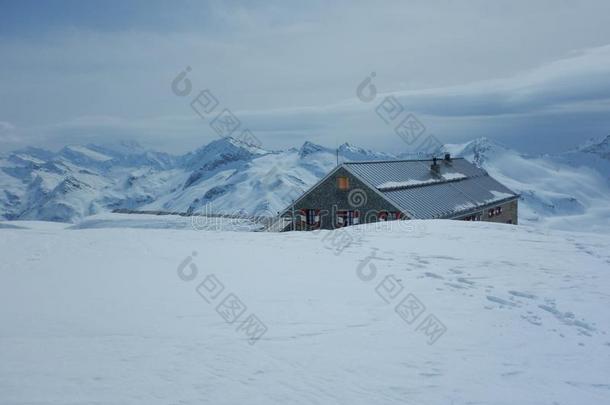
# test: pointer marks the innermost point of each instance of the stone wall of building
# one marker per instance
(508, 215)
(328, 198)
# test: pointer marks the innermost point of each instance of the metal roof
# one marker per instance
(457, 187)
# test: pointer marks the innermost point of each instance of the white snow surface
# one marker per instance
(101, 316)
(148, 221)
(454, 176)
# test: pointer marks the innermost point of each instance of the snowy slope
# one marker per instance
(593, 153)
(567, 191)
(230, 177)
(557, 191)
(101, 316)
(80, 181)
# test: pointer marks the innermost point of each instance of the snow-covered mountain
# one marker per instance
(225, 176)
(228, 176)
(566, 191)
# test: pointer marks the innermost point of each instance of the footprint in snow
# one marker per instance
(465, 281)
(444, 257)
(584, 385)
(501, 301)
(432, 374)
(533, 319)
(568, 318)
(511, 373)
(522, 295)
(455, 285)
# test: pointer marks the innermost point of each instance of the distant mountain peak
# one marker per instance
(82, 154)
(34, 152)
(230, 143)
(479, 150)
(600, 147)
(348, 149)
(310, 148)
(485, 142)
(222, 151)
(123, 148)
(130, 143)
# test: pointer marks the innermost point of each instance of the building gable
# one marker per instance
(327, 184)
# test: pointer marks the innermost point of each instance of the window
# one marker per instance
(346, 218)
(494, 211)
(343, 182)
(312, 216)
(389, 216)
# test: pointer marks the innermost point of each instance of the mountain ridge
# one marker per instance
(231, 177)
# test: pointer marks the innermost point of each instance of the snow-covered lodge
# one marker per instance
(363, 192)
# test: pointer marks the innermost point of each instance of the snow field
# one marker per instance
(101, 316)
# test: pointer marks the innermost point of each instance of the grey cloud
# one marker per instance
(284, 69)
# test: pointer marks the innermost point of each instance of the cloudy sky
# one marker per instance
(533, 75)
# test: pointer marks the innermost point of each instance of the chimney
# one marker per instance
(434, 166)
(447, 157)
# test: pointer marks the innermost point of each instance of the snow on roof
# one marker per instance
(389, 185)
(457, 186)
